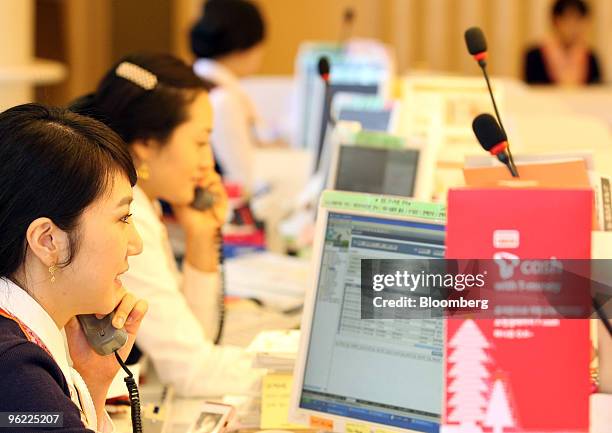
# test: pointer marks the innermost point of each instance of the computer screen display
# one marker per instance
(388, 371)
(370, 120)
(377, 170)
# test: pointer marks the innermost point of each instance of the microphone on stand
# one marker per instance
(493, 139)
(324, 69)
(477, 47)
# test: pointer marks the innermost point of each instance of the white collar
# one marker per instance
(151, 210)
(147, 215)
(22, 306)
(215, 72)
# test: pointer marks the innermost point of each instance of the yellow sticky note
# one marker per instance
(351, 427)
(275, 395)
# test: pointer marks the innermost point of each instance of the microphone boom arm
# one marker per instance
(483, 65)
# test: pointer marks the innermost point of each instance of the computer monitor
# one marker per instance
(366, 89)
(372, 120)
(361, 62)
(382, 373)
(380, 163)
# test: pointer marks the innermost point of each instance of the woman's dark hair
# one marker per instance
(562, 6)
(54, 164)
(226, 26)
(135, 112)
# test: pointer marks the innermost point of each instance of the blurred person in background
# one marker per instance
(564, 57)
(228, 41)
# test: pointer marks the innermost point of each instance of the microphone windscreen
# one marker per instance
(475, 41)
(323, 67)
(488, 131)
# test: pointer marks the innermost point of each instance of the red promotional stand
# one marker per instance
(524, 375)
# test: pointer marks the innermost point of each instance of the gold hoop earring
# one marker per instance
(143, 172)
(52, 270)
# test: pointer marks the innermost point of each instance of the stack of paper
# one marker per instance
(245, 320)
(276, 280)
(275, 350)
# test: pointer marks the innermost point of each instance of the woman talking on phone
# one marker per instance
(65, 237)
(162, 111)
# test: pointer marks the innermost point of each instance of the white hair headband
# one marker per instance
(137, 75)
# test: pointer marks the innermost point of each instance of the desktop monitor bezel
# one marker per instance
(423, 179)
(298, 414)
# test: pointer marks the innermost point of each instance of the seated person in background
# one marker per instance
(162, 111)
(228, 42)
(65, 237)
(564, 58)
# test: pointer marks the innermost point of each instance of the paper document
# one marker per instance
(275, 350)
(275, 395)
(278, 281)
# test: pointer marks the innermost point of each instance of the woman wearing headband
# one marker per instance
(65, 237)
(162, 111)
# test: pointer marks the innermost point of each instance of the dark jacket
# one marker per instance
(31, 381)
(535, 70)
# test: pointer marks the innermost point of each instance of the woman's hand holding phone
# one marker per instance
(196, 221)
(202, 226)
(99, 371)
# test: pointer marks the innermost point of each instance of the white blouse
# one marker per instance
(22, 306)
(182, 318)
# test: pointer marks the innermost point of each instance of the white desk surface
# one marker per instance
(181, 413)
(184, 410)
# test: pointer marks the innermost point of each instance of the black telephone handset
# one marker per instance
(204, 200)
(105, 340)
(101, 335)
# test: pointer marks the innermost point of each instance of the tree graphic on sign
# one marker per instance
(499, 414)
(468, 377)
